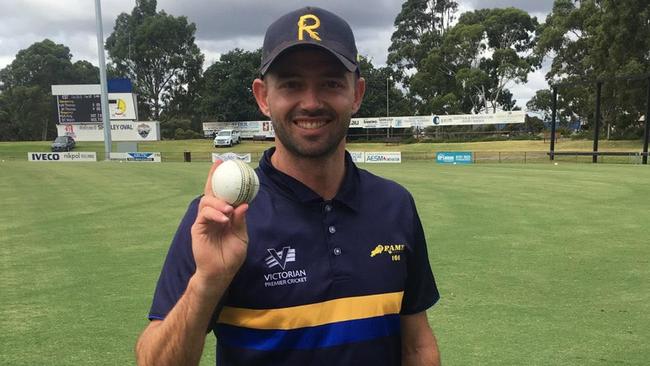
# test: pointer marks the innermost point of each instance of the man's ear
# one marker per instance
(359, 91)
(260, 92)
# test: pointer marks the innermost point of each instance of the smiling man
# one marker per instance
(329, 263)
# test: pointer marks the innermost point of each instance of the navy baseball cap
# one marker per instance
(310, 26)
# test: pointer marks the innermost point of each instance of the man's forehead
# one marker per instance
(307, 59)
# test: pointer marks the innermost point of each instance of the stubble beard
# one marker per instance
(305, 149)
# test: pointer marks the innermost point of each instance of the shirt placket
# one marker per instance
(332, 228)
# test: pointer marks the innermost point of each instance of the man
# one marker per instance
(329, 264)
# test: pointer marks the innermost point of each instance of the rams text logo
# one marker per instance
(393, 250)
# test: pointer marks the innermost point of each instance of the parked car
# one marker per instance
(227, 138)
(63, 143)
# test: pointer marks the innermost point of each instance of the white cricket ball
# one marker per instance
(555, 163)
(235, 182)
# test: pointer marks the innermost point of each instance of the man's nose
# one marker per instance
(311, 98)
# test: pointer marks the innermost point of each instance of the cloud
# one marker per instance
(536, 81)
(524, 92)
(71, 23)
(219, 20)
(45, 18)
(212, 49)
(537, 6)
(222, 25)
(242, 23)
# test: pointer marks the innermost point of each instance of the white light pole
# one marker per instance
(106, 117)
(387, 110)
(389, 78)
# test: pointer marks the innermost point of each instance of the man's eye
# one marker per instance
(333, 84)
(290, 85)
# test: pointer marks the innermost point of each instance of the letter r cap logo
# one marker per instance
(308, 23)
(311, 26)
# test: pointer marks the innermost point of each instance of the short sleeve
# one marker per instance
(420, 291)
(178, 268)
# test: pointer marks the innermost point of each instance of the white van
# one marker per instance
(227, 138)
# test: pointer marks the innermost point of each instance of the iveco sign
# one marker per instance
(44, 157)
(62, 156)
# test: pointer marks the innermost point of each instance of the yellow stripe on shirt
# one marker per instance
(311, 315)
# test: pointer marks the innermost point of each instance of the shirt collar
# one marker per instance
(347, 194)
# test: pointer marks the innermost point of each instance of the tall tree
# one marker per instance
(542, 103)
(382, 95)
(26, 108)
(157, 52)
(435, 85)
(507, 55)
(475, 62)
(419, 27)
(26, 113)
(44, 64)
(599, 39)
(83, 72)
(226, 93)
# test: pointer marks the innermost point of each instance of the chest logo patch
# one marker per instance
(280, 258)
(393, 250)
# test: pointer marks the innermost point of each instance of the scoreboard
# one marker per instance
(81, 104)
(79, 108)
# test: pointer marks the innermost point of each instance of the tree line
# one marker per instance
(439, 62)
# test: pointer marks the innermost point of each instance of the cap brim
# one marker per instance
(350, 65)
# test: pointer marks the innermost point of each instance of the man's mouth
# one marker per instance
(310, 124)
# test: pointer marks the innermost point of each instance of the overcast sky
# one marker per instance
(221, 25)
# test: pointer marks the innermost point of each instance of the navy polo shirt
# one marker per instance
(324, 282)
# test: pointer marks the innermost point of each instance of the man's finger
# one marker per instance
(209, 215)
(207, 190)
(239, 219)
(216, 203)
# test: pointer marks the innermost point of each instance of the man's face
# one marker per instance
(310, 97)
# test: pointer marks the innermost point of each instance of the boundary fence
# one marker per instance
(597, 115)
(479, 157)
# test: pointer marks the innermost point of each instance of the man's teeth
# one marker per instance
(310, 124)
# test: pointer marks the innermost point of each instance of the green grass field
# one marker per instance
(537, 264)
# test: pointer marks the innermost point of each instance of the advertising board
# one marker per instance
(454, 157)
(120, 131)
(64, 157)
(231, 156)
(150, 157)
(383, 157)
(249, 129)
(358, 156)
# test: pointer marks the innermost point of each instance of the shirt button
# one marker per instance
(328, 208)
(332, 229)
(337, 251)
